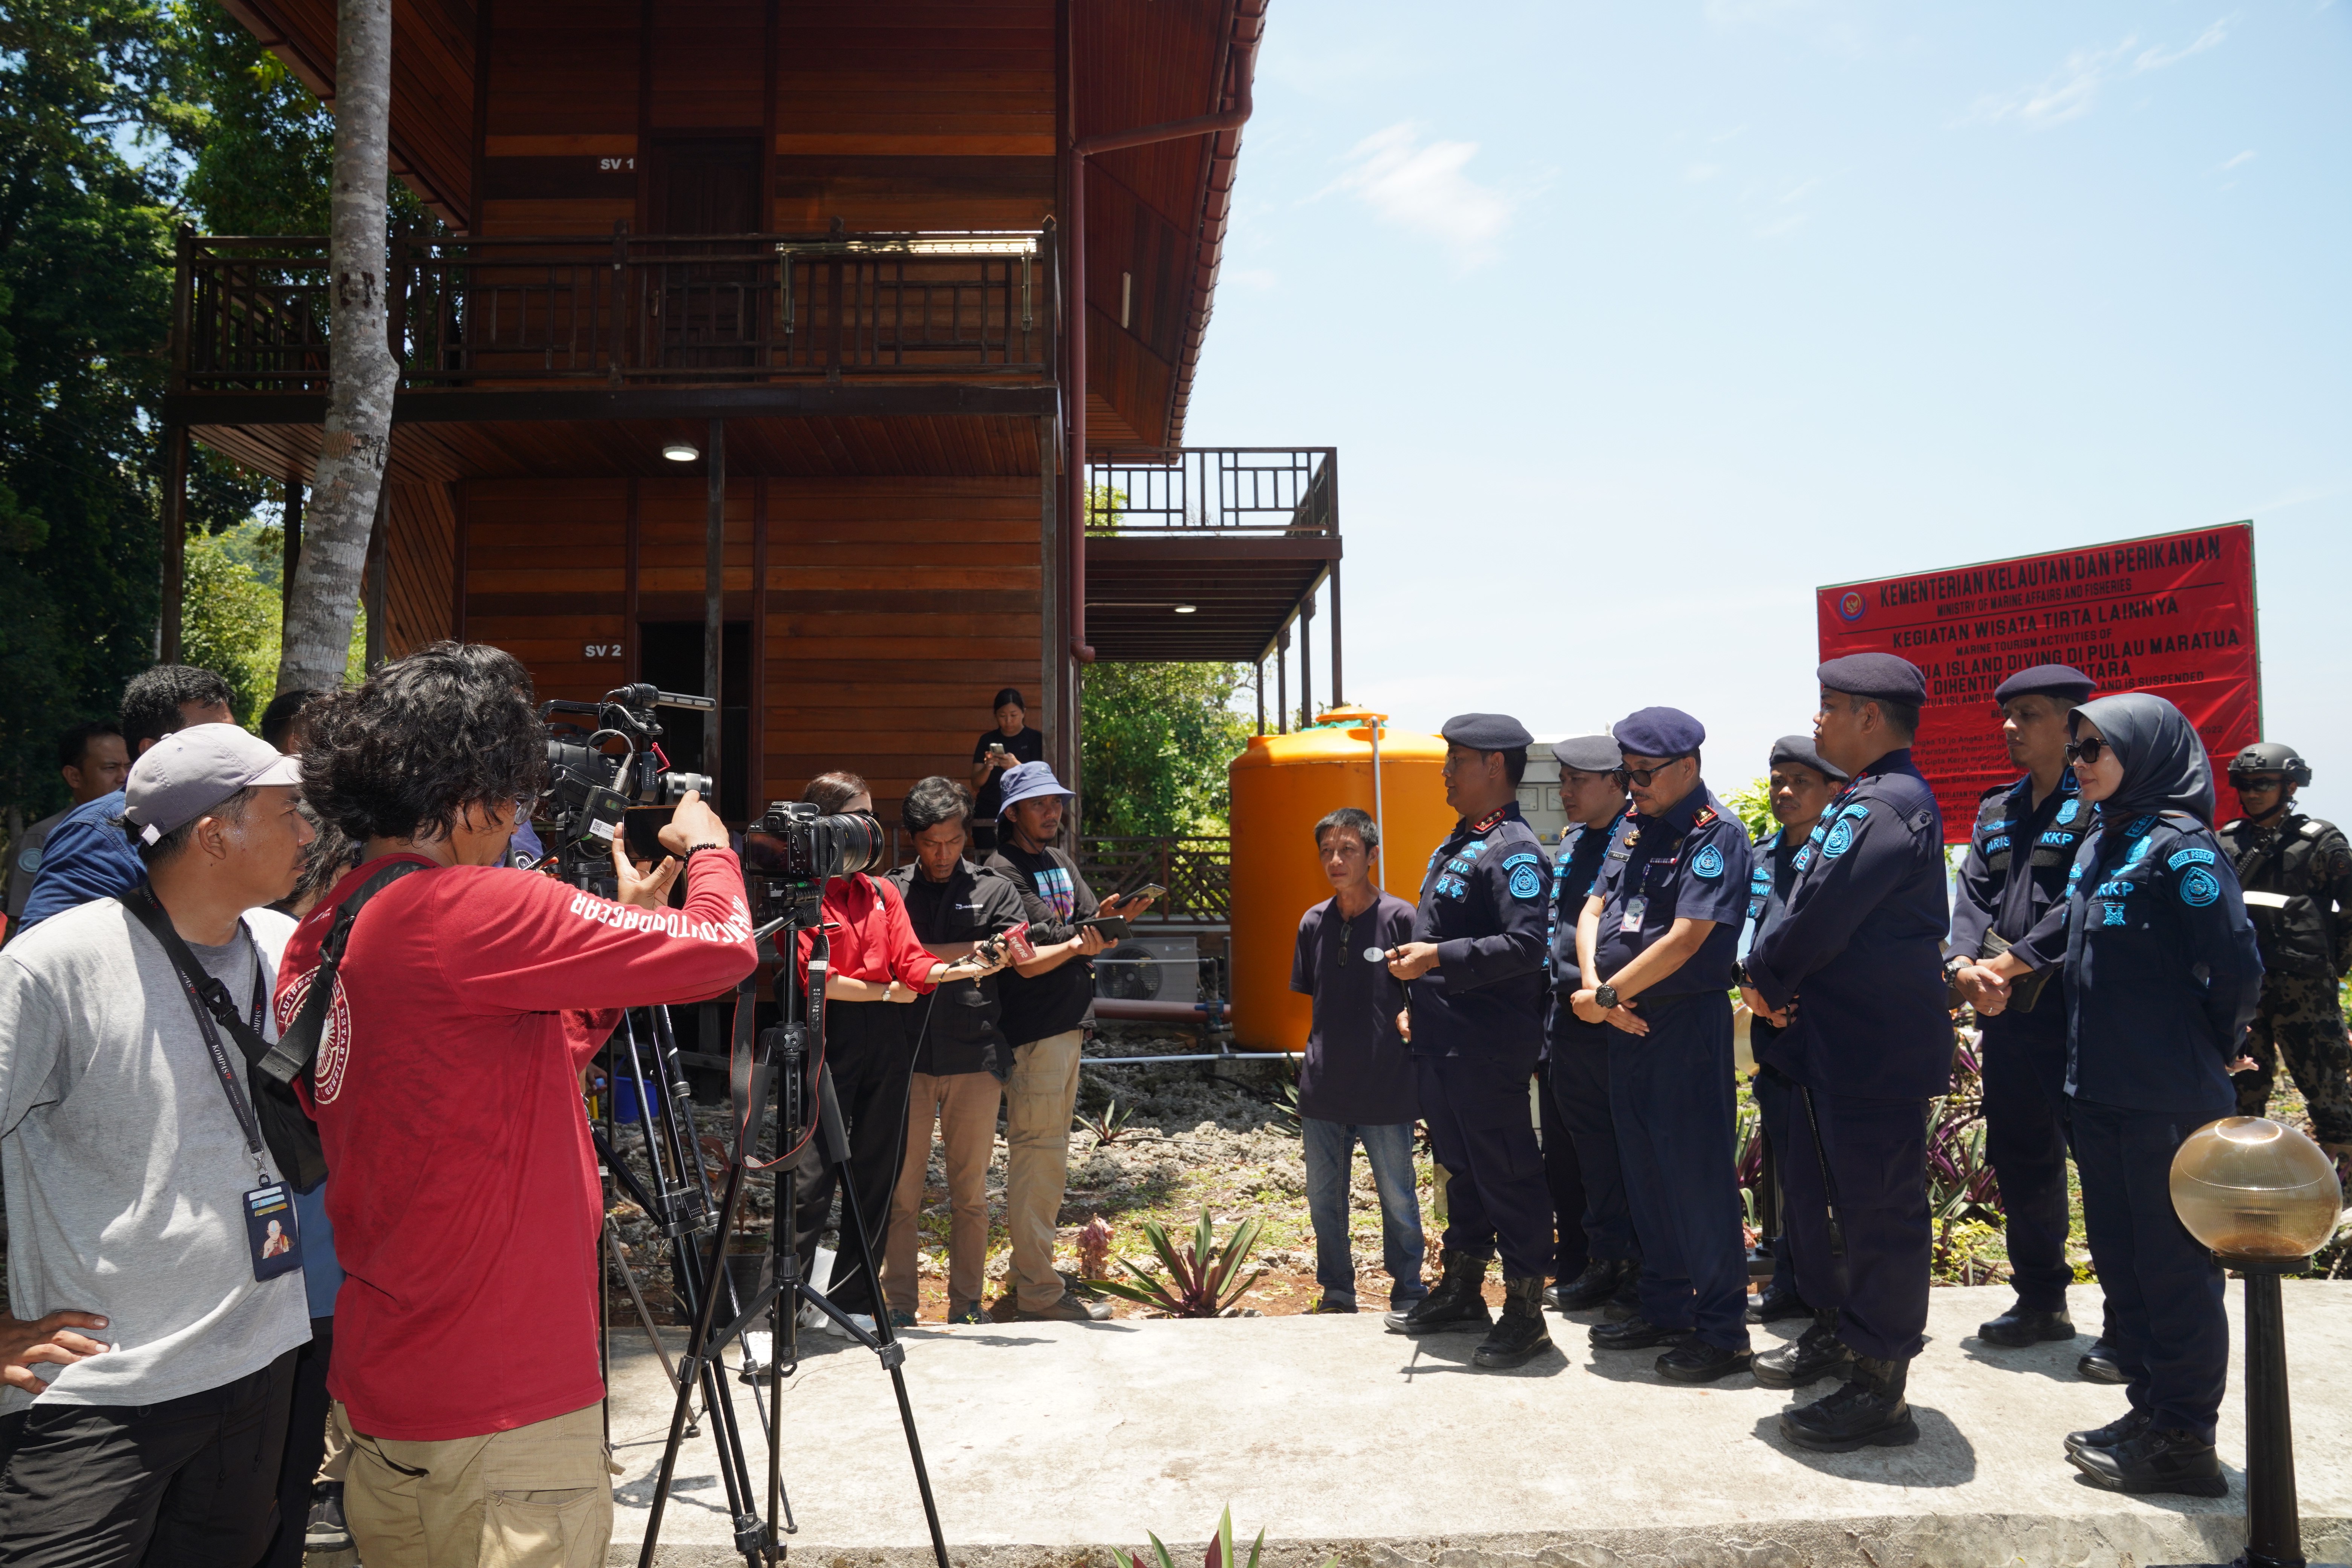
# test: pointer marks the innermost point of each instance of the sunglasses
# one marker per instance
(2089, 749)
(1642, 776)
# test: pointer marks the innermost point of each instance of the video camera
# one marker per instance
(794, 850)
(589, 789)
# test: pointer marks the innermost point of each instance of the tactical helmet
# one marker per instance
(2269, 757)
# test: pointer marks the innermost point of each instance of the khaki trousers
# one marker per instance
(1039, 1097)
(536, 1497)
(964, 1106)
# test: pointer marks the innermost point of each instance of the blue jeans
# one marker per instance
(1330, 1147)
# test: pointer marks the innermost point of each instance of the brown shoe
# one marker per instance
(1069, 1309)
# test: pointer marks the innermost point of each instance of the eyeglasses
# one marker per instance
(1643, 775)
(2089, 749)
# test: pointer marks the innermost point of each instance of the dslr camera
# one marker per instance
(590, 790)
(794, 850)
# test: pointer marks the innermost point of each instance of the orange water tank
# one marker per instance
(1282, 786)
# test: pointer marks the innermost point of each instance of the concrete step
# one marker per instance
(1049, 1443)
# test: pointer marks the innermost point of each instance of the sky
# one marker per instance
(1633, 323)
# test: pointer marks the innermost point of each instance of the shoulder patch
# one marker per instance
(1839, 840)
(2199, 887)
(2191, 856)
(1526, 882)
(2070, 811)
(1523, 859)
(1707, 863)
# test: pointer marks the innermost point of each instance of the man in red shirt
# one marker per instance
(463, 1186)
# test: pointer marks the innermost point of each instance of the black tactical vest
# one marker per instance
(2288, 898)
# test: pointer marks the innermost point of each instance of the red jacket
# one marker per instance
(463, 1186)
(868, 935)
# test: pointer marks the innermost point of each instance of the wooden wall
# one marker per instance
(893, 608)
(421, 529)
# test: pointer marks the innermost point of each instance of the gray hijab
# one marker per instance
(2163, 762)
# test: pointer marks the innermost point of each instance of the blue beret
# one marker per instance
(1799, 749)
(1587, 754)
(1487, 732)
(2060, 680)
(1659, 732)
(1879, 675)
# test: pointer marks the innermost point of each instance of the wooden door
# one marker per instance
(714, 291)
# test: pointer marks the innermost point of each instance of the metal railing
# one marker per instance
(1254, 490)
(631, 310)
(1197, 872)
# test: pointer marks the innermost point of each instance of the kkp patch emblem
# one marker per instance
(1707, 863)
(1839, 839)
(2199, 887)
(2071, 810)
(1527, 874)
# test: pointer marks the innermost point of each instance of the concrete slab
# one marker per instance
(1049, 1443)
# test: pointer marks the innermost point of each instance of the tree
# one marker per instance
(356, 442)
(1154, 743)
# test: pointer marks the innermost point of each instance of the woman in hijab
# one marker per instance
(2162, 975)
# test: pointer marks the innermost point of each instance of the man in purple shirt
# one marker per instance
(1357, 1082)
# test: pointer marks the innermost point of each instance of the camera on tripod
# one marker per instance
(794, 850)
(590, 790)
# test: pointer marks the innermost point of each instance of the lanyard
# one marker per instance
(223, 1065)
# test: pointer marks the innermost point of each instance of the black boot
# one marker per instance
(2099, 1365)
(1777, 1302)
(1625, 1301)
(2159, 1459)
(2019, 1326)
(1814, 1355)
(2122, 1430)
(1867, 1409)
(1696, 1360)
(1588, 1289)
(1635, 1333)
(1520, 1334)
(1456, 1303)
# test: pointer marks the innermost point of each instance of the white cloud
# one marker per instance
(2244, 157)
(1423, 186)
(2073, 91)
(1699, 173)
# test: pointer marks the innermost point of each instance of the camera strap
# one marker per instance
(209, 1000)
(291, 1058)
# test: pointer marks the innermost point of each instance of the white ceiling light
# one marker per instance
(679, 452)
(1187, 609)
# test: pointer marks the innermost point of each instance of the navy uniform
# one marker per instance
(2163, 973)
(1477, 1030)
(1773, 873)
(1859, 951)
(1576, 1068)
(1671, 1090)
(2014, 872)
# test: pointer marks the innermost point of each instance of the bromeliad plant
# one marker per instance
(1220, 1553)
(1108, 1125)
(1203, 1279)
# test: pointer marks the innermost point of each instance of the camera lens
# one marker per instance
(853, 843)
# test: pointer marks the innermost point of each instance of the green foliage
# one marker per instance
(233, 620)
(1108, 1125)
(1219, 1555)
(1203, 1279)
(1155, 740)
(1753, 804)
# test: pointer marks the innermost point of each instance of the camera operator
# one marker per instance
(960, 1050)
(875, 960)
(446, 1090)
(1047, 1009)
(147, 1383)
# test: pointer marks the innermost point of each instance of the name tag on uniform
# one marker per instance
(271, 1232)
(1635, 908)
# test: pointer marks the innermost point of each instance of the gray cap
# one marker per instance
(187, 773)
(1587, 753)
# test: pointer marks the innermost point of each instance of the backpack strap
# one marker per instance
(291, 1058)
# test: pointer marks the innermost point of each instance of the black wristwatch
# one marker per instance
(1604, 997)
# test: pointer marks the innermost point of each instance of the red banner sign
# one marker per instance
(2173, 615)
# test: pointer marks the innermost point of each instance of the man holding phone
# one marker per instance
(1049, 1003)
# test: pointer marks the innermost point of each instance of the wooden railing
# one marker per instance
(1218, 489)
(632, 309)
(1197, 872)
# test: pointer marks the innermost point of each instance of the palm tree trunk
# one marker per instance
(362, 373)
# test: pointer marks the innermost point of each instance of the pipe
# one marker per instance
(1243, 67)
(1158, 1012)
(1378, 826)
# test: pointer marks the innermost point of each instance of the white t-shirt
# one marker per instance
(124, 1166)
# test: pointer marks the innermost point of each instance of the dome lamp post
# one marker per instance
(2264, 1198)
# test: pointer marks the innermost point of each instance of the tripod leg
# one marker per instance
(629, 1278)
(894, 1355)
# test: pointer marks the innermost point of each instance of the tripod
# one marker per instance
(781, 1062)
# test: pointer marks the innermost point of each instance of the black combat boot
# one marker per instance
(1458, 1301)
(1625, 1301)
(1635, 1333)
(1588, 1289)
(1868, 1409)
(2099, 1365)
(1777, 1302)
(1521, 1334)
(2020, 1327)
(2122, 1430)
(1814, 1355)
(2159, 1459)
(1696, 1360)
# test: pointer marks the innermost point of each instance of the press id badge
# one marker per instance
(271, 1232)
(1635, 908)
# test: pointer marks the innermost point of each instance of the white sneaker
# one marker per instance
(833, 1326)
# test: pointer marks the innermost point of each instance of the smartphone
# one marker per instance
(995, 748)
(1112, 927)
(1149, 890)
(643, 823)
